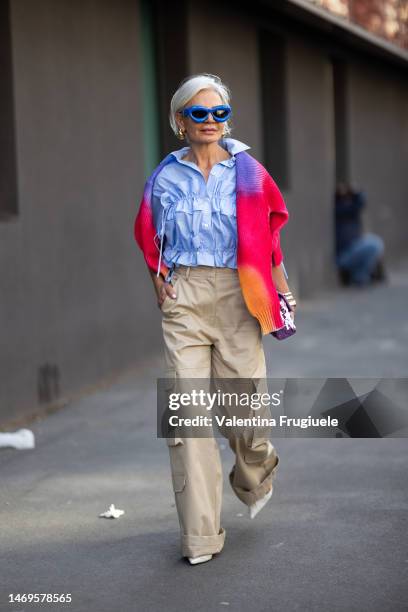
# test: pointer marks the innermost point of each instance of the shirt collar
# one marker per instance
(232, 145)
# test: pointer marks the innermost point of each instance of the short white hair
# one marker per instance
(189, 87)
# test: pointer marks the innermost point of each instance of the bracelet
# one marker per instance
(289, 296)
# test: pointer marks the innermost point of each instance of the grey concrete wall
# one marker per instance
(223, 42)
(379, 151)
(71, 276)
(309, 237)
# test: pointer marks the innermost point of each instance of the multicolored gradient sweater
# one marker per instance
(261, 213)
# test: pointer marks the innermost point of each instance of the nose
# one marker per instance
(210, 119)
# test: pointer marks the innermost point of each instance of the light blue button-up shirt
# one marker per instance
(194, 219)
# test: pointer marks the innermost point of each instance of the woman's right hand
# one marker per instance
(162, 288)
(165, 289)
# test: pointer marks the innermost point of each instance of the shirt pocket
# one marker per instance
(226, 223)
(192, 204)
(189, 212)
(227, 206)
(225, 198)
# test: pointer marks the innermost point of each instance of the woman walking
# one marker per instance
(208, 226)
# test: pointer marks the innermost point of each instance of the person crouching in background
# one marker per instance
(359, 255)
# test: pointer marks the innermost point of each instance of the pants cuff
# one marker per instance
(196, 546)
(250, 497)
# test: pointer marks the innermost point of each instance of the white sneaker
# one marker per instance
(203, 559)
(258, 505)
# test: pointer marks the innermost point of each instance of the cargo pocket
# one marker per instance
(179, 482)
(174, 441)
(178, 474)
(167, 387)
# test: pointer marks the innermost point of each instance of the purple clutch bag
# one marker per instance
(289, 328)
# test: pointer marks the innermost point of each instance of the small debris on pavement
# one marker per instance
(112, 512)
(20, 439)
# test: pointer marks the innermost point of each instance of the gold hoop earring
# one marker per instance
(180, 134)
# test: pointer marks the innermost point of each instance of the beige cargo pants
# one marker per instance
(208, 331)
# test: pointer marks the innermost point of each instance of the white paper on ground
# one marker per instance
(112, 512)
(20, 439)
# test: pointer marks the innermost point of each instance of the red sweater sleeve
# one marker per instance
(277, 255)
(278, 217)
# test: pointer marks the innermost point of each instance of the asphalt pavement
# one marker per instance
(332, 538)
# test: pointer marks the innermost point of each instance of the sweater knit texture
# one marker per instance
(261, 213)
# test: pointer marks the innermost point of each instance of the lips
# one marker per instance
(209, 131)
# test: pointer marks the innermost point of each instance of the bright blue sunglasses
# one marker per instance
(200, 113)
